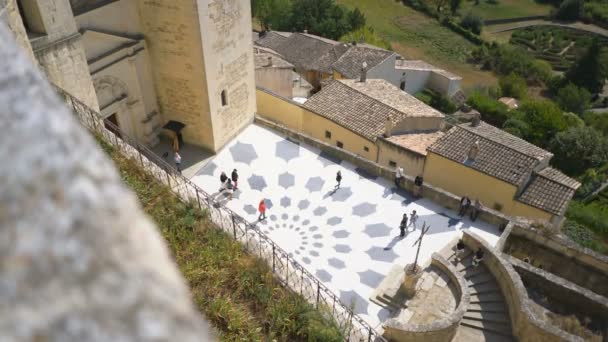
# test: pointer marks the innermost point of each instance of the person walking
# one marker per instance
(459, 250)
(478, 257)
(223, 179)
(178, 162)
(230, 188)
(476, 210)
(465, 204)
(338, 180)
(262, 210)
(413, 219)
(398, 176)
(235, 179)
(403, 225)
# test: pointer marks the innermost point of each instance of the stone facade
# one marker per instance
(205, 81)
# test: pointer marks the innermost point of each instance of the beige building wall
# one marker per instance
(280, 110)
(11, 17)
(116, 17)
(411, 162)
(413, 124)
(278, 80)
(461, 180)
(201, 50)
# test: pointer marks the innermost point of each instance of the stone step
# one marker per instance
(475, 272)
(491, 297)
(488, 287)
(496, 317)
(392, 301)
(488, 307)
(385, 303)
(482, 278)
(468, 334)
(496, 328)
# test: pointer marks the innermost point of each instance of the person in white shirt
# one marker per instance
(399, 175)
(178, 161)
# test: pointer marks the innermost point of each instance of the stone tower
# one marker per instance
(202, 57)
(48, 32)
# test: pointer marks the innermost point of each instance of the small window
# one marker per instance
(365, 148)
(328, 134)
(392, 163)
(339, 144)
(224, 98)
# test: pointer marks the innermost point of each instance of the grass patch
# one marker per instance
(235, 290)
(417, 36)
(504, 9)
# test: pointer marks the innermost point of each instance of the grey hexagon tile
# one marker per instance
(284, 216)
(287, 150)
(285, 202)
(364, 209)
(249, 209)
(377, 230)
(306, 260)
(452, 222)
(305, 222)
(342, 194)
(323, 275)
(317, 244)
(317, 236)
(273, 217)
(334, 221)
(342, 248)
(313, 229)
(320, 211)
(341, 234)
(314, 253)
(336, 263)
(370, 278)
(244, 153)
(287, 180)
(257, 182)
(314, 184)
(354, 300)
(380, 254)
(269, 203)
(303, 204)
(208, 169)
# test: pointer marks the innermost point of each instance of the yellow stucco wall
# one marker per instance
(279, 110)
(298, 118)
(462, 180)
(316, 125)
(337, 75)
(412, 163)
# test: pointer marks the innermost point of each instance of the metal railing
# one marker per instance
(287, 270)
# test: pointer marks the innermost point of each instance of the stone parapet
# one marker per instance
(442, 329)
(526, 327)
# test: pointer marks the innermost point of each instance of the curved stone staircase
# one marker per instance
(487, 317)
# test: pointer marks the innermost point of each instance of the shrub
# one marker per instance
(437, 101)
(492, 111)
(578, 149)
(569, 10)
(513, 86)
(573, 99)
(472, 22)
(592, 215)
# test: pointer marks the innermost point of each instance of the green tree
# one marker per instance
(569, 10)
(598, 121)
(513, 86)
(589, 71)
(472, 22)
(578, 149)
(455, 6)
(273, 14)
(492, 111)
(545, 120)
(320, 17)
(517, 127)
(573, 99)
(356, 19)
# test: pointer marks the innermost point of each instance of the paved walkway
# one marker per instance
(347, 238)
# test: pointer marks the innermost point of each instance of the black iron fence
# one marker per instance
(287, 270)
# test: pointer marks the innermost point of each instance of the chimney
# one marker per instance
(269, 61)
(474, 150)
(364, 73)
(476, 120)
(388, 127)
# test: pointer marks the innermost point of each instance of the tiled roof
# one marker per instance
(271, 40)
(407, 64)
(364, 107)
(349, 64)
(261, 61)
(501, 154)
(417, 142)
(549, 190)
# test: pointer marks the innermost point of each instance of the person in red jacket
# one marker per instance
(262, 210)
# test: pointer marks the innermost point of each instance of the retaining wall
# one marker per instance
(440, 330)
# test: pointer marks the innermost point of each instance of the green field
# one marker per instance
(503, 9)
(416, 36)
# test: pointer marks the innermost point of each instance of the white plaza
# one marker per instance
(348, 238)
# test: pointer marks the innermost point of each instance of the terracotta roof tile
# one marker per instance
(349, 64)
(417, 142)
(549, 190)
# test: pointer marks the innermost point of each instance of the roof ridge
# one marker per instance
(555, 180)
(463, 126)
